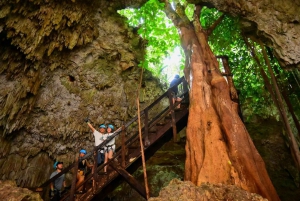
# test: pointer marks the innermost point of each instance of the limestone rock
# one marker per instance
(10, 192)
(187, 191)
(275, 22)
(73, 59)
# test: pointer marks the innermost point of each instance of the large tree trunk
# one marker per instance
(218, 148)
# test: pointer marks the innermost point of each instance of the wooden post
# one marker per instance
(146, 126)
(141, 137)
(123, 147)
(73, 187)
(94, 170)
(142, 149)
(173, 121)
(232, 90)
(185, 89)
(131, 180)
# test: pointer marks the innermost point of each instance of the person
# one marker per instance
(82, 164)
(175, 90)
(98, 139)
(109, 146)
(57, 184)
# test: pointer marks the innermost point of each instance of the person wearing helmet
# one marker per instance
(98, 139)
(109, 146)
(57, 184)
(174, 89)
(82, 165)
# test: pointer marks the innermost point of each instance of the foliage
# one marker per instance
(161, 36)
(226, 39)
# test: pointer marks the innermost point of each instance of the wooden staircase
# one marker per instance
(160, 122)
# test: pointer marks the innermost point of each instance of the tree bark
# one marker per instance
(218, 147)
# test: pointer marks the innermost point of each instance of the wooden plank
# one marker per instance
(130, 179)
(153, 138)
(174, 129)
(73, 187)
(123, 149)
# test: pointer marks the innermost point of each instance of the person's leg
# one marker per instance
(80, 179)
(55, 197)
(178, 100)
(99, 158)
(110, 153)
(105, 161)
(173, 100)
(102, 157)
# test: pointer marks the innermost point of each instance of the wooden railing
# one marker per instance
(150, 116)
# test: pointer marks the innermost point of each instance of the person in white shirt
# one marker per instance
(110, 146)
(98, 139)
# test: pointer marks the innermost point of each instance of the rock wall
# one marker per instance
(275, 22)
(186, 191)
(61, 62)
(10, 191)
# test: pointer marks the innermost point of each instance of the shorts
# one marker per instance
(80, 172)
(110, 147)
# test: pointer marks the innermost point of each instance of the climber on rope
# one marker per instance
(110, 146)
(57, 185)
(82, 169)
(98, 139)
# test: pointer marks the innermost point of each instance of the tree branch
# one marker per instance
(215, 24)
(177, 16)
(196, 18)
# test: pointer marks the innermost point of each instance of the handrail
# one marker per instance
(150, 124)
(128, 142)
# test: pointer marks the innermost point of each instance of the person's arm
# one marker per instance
(51, 186)
(91, 127)
(52, 183)
(88, 164)
(89, 124)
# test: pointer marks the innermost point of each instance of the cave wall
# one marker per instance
(62, 61)
(275, 22)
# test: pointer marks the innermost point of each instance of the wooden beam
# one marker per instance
(129, 179)
(171, 106)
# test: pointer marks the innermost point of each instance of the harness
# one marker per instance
(108, 147)
(81, 166)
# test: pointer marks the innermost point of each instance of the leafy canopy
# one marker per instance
(159, 32)
(163, 39)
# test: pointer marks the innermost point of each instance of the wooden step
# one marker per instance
(133, 147)
(160, 123)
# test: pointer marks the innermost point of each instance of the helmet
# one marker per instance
(177, 76)
(102, 126)
(56, 164)
(111, 126)
(83, 151)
